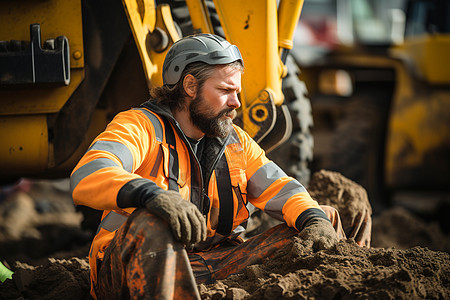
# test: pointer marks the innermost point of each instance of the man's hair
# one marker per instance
(174, 96)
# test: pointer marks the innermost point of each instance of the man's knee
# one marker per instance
(143, 224)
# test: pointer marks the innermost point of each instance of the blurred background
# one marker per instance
(378, 77)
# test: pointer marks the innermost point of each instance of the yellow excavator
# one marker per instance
(67, 67)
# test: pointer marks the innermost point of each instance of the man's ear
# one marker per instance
(190, 85)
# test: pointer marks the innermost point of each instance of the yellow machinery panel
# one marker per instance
(147, 20)
(56, 18)
(429, 54)
(39, 100)
(28, 149)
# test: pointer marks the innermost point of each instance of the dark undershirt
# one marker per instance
(197, 146)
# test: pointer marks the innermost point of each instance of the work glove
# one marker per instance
(361, 228)
(185, 220)
(320, 233)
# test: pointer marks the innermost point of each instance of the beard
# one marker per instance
(203, 117)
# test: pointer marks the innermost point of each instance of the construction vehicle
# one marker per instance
(67, 67)
(380, 92)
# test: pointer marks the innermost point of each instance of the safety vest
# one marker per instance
(143, 151)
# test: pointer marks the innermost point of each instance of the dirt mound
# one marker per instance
(333, 189)
(345, 271)
(57, 279)
(399, 228)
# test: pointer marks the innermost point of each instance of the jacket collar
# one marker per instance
(164, 110)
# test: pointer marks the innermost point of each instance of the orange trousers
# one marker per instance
(144, 261)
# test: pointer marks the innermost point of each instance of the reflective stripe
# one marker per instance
(88, 169)
(118, 149)
(234, 139)
(263, 178)
(275, 205)
(238, 230)
(155, 122)
(112, 221)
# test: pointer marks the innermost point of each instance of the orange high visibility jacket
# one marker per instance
(143, 152)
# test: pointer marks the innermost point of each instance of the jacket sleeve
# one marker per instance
(105, 178)
(270, 189)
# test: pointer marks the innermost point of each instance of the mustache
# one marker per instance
(228, 112)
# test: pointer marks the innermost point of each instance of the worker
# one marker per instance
(174, 177)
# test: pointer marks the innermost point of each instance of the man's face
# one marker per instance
(213, 108)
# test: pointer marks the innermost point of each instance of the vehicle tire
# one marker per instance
(358, 145)
(180, 14)
(296, 154)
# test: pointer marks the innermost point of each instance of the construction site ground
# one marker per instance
(42, 241)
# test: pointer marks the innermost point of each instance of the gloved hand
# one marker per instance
(320, 233)
(361, 228)
(185, 220)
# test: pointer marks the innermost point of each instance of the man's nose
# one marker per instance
(233, 101)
